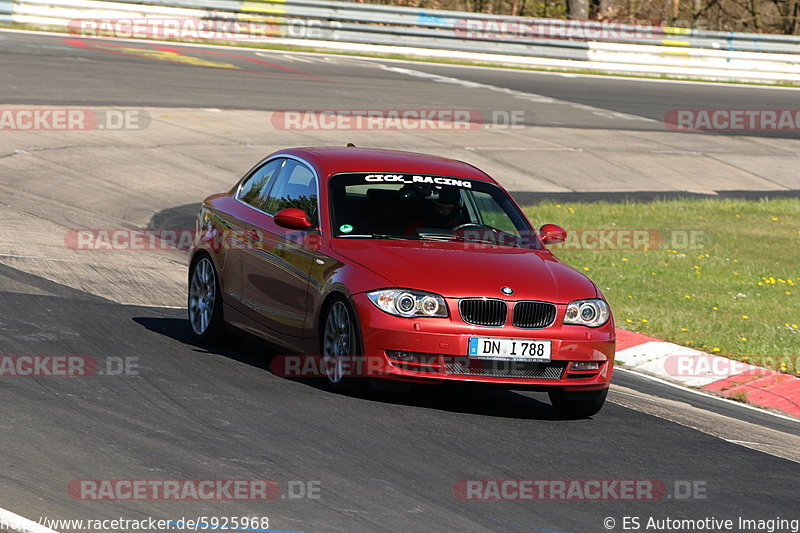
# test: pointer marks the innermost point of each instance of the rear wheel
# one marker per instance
(205, 302)
(341, 347)
(581, 404)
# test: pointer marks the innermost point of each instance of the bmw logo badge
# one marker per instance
(507, 290)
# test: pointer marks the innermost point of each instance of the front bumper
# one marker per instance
(435, 350)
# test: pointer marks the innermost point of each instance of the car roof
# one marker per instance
(333, 160)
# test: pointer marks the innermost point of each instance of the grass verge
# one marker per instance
(722, 276)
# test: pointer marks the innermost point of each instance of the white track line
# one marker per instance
(531, 97)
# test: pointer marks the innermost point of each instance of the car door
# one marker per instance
(230, 224)
(277, 260)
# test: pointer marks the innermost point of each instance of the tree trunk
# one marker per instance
(755, 12)
(578, 9)
(697, 7)
(675, 11)
(794, 13)
(606, 9)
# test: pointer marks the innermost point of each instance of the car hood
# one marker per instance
(460, 270)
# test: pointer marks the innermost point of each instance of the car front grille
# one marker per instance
(505, 369)
(534, 314)
(483, 311)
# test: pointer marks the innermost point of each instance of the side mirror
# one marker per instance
(552, 234)
(292, 218)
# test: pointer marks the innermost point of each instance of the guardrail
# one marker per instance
(637, 47)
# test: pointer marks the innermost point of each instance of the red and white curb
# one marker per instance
(759, 386)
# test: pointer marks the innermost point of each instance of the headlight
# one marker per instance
(593, 313)
(408, 303)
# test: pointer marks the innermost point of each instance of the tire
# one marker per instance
(340, 343)
(578, 404)
(205, 302)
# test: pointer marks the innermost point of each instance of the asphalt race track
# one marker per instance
(88, 76)
(378, 462)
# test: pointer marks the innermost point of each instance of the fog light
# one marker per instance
(585, 365)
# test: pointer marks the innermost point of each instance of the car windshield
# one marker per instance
(409, 206)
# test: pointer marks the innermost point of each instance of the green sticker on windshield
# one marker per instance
(345, 228)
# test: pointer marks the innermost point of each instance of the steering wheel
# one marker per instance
(472, 224)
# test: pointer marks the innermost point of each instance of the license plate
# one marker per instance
(515, 349)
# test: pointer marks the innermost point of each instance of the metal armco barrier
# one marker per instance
(635, 47)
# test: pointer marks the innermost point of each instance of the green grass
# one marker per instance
(733, 291)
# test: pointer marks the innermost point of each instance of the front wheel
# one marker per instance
(581, 404)
(341, 348)
(205, 302)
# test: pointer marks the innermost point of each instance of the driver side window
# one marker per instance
(493, 215)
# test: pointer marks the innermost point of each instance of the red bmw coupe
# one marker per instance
(419, 268)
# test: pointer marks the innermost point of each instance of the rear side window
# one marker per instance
(295, 187)
(253, 190)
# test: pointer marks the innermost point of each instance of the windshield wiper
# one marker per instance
(487, 241)
(444, 238)
(503, 238)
